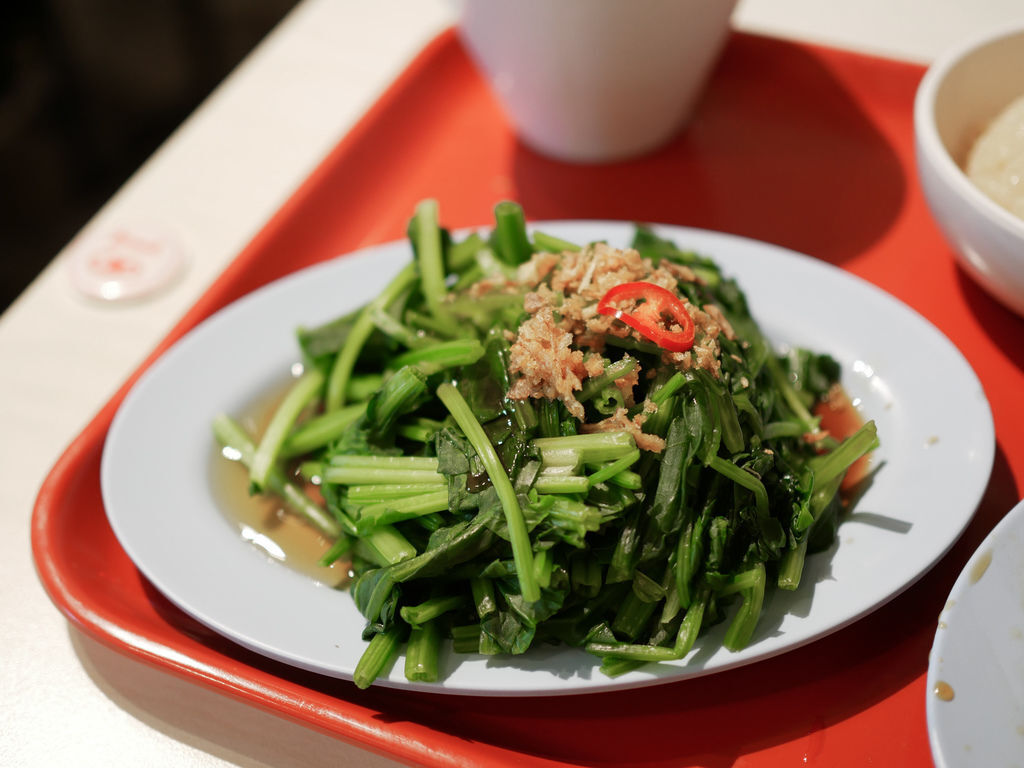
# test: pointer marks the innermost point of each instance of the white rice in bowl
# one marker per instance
(996, 161)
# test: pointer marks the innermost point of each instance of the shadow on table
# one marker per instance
(1004, 327)
(779, 150)
(781, 703)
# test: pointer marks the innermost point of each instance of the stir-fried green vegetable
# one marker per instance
(504, 466)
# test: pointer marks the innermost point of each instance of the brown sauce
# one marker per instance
(943, 691)
(263, 520)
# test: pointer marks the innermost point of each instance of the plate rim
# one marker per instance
(677, 233)
(1012, 519)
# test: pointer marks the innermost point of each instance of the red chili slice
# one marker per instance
(653, 304)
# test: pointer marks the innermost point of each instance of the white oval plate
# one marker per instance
(977, 657)
(934, 465)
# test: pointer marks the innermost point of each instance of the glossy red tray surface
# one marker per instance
(806, 147)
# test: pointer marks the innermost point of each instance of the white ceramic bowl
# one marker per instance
(958, 97)
(594, 81)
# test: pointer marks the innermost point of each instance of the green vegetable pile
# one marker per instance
(501, 523)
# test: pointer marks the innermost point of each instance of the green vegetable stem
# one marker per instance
(504, 463)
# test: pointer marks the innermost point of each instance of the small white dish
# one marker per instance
(960, 94)
(934, 465)
(975, 704)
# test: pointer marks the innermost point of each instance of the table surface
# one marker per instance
(67, 699)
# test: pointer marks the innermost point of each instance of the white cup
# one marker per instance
(596, 80)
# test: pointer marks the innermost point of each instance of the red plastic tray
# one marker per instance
(803, 146)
